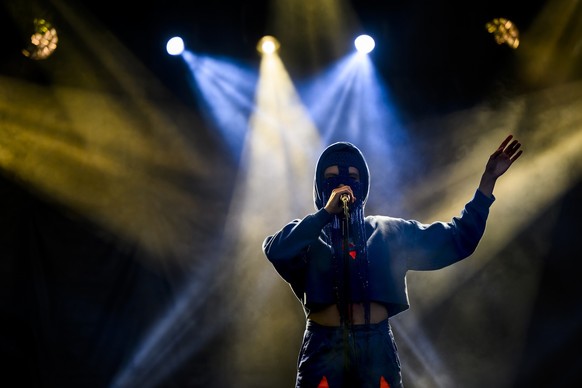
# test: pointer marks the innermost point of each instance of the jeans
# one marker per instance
(364, 356)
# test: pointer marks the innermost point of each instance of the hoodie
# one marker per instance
(302, 251)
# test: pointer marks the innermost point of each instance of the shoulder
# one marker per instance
(386, 222)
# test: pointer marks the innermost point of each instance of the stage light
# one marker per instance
(175, 46)
(364, 44)
(268, 45)
(504, 31)
(43, 42)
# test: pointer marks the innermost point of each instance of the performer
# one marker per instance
(348, 270)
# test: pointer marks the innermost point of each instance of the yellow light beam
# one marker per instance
(274, 183)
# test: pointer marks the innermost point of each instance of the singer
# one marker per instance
(348, 270)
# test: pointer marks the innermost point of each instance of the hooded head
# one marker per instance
(344, 155)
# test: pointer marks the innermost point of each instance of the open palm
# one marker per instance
(503, 157)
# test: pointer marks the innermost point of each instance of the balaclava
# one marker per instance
(351, 265)
(344, 155)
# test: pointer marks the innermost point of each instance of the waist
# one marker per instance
(329, 316)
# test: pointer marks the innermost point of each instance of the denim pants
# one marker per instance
(363, 357)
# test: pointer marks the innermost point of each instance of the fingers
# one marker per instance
(512, 150)
(334, 204)
(338, 192)
(504, 143)
(514, 157)
(501, 147)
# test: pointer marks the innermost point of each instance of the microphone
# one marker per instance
(345, 198)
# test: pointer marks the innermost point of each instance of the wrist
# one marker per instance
(487, 184)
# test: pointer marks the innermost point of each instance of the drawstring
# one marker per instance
(346, 313)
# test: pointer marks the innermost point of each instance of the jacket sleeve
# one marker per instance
(440, 244)
(287, 249)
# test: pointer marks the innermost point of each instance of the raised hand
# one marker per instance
(498, 163)
(503, 157)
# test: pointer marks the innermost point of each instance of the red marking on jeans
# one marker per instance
(384, 383)
(353, 254)
(323, 383)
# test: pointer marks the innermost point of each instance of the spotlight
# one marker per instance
(364, 44)
(504, 31)
(43, 42)
(268, 45)
(175, 46)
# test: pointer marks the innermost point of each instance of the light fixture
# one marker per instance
(504, 31)
(268, 45)
(43, 41)
(175, 46)
(364, 44)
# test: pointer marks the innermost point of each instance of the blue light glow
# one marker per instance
(175, 46)
(364, 44)
(225, 91)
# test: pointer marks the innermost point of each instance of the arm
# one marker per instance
(286, 248)
(498, 163)
(296, 236)
(440, 244)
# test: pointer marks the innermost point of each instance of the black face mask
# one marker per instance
(343, 178)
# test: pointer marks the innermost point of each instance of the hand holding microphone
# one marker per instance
(340, 199)
(345, 198)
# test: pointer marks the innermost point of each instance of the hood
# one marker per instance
(343, 154)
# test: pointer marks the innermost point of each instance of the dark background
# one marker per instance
(78, 298)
